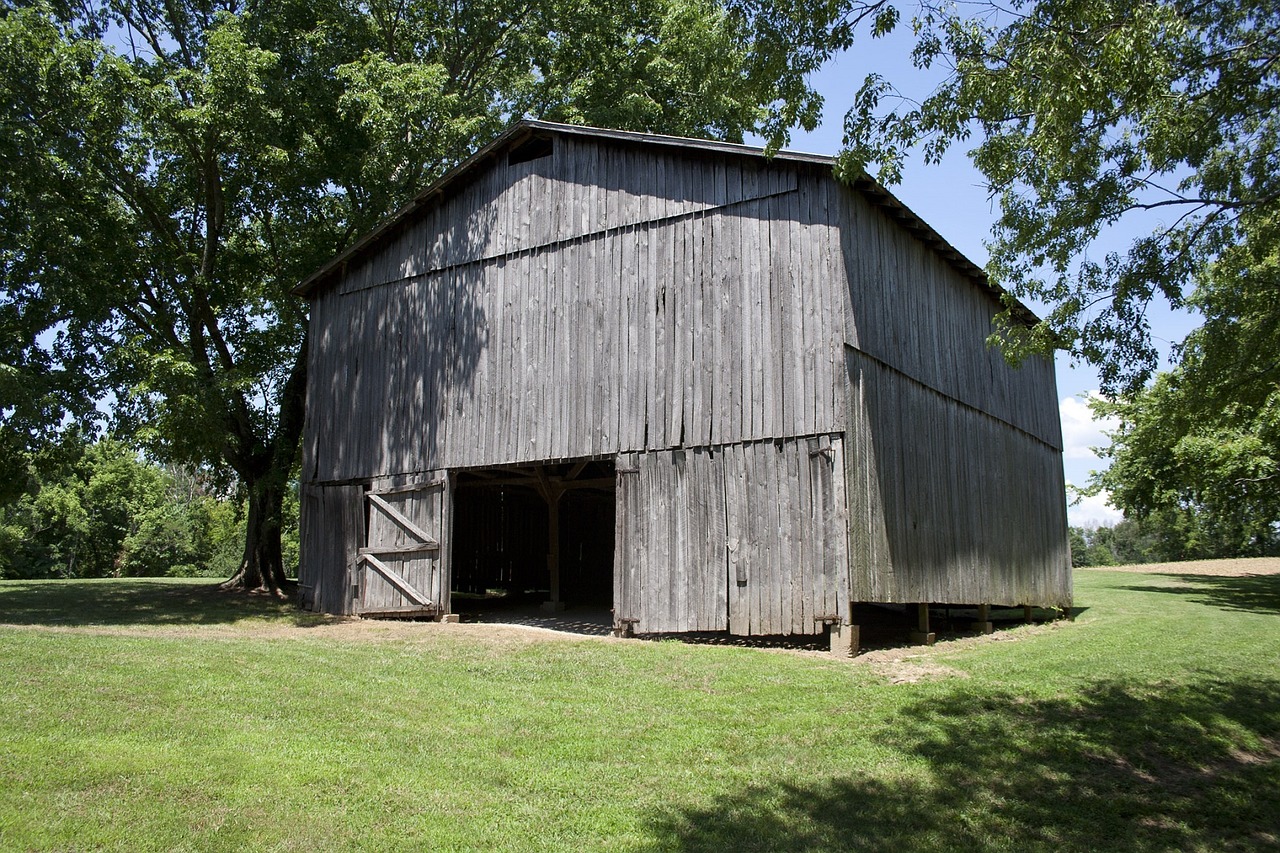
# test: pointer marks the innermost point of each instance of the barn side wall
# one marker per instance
(575, 316)
(948, 503)
(908, 308)
(954, 458)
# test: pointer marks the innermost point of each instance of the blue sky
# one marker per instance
(952, 199)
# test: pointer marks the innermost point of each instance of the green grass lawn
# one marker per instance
(160, 715)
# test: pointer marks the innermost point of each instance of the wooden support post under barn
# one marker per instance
(922, 635)
(844, 640)
(983, 624)
(778, 383)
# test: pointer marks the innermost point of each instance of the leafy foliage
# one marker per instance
(1208, 466)
(97, 510)
(1202, 443)
(1153, 117)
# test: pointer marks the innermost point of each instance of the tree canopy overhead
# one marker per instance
(168, 170)
(1154, 117)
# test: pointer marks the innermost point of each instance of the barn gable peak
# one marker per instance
(530, 140)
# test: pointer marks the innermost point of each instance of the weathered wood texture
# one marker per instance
(908, 308)
(617, 299)
(948, 503)
(400, 565)
(749, 538)
(332, 531)
(599, 300)
(954, 457)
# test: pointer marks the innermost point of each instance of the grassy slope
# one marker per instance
(1151, 723)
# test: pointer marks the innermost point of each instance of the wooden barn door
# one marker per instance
(402, 567)
(750, 538)
(787, 534)
(669, 548)
(331, 533)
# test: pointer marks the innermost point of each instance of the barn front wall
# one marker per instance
(629, 333)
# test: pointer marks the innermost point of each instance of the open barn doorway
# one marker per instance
(534, 539)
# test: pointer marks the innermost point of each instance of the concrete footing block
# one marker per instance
(844, 640)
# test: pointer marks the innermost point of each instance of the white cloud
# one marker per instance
(1080, 432)
(1093, 511)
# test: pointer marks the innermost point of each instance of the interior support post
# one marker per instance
(551, 493)
(553, 552)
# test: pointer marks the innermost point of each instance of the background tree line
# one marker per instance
(91, 509)
(1161, 537)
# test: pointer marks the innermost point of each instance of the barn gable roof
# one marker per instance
(523, 131)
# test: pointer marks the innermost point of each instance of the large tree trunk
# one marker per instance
(262, 568)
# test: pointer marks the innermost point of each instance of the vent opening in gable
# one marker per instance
(532, 149)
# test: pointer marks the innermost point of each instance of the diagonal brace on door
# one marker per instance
(400, 519)
(406, 589)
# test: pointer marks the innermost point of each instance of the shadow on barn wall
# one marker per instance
(373, 365)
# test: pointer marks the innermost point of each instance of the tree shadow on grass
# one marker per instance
(1253, 593)
(1121, 768)
(135, 602)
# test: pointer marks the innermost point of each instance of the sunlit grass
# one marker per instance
(1150, 723)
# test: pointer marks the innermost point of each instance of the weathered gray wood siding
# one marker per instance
(612, 298)
(908, 308)
(670, 557)
(948, 503)
(404, 535)
(954, 458)
(596, 301)
(751, 538)
(332, 531)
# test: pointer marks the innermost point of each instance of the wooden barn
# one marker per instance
(712, 390)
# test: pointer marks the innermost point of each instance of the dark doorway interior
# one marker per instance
(503, 535)
(499, 537)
